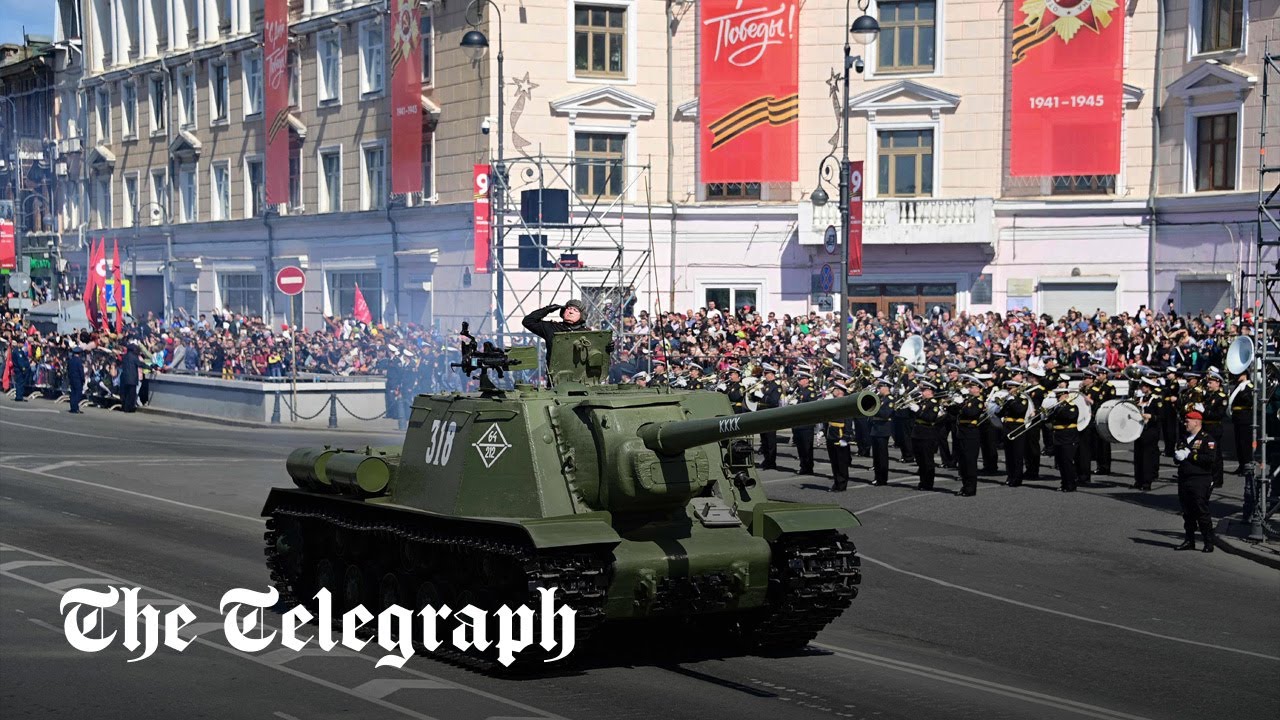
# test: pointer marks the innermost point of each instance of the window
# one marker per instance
(1084, 185)
(187, 98)
(342, 287)
(329, 66)
(159, 104)
(1215, 162)
(295, 79)
(1221, 25)
(598, 161)
(428, 164)
(219, 90)
(372, 68)
(102, 103)
(733, 191)
(330, 185)
(599, 39)
(159, 207)
(427, 39)
(906, 41)
(896, 298)
(295, 173)
(905, 163)
(102, 201)
(220, 191)
(241, 293)
(373, 193)
(252, 67)
(730, 299)
(128, 110)
(254, 188)
(187, 209)
(130, 200)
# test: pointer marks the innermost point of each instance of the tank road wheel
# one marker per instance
(326, 579)
(391, 591)
(355, 588)
(812, 579)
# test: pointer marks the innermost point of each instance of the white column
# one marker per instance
(93, 30)
(243, 15)
(148, 30)
(117, 29)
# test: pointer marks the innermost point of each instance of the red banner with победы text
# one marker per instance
(1068, 89)
(749, 94)
(406, 98)
(481, 216)
(275, 98)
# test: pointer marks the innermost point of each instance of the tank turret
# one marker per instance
(632, 502)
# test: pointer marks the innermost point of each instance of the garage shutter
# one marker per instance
(1210, 296)
(1057, 298)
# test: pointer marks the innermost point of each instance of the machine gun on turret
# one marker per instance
(489, 357)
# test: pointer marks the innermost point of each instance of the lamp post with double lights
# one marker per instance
(475, 43)
(864, 31)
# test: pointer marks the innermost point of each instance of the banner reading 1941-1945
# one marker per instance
(406, 98)
(275, 64)
(1068, 91)
(749, 96)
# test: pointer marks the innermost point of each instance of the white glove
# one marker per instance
(1181, 454)
(914, 407)
(843, 443)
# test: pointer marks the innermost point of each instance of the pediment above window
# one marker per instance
(185, 147)
(904, 97)
(604, 102)
(101, 160)
(1212, 79)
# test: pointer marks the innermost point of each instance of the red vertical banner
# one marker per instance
(275, 90)
(1068, 91)
(749, 95)
(8, 246)
(855, 218)
(481, 214)
(406, 98)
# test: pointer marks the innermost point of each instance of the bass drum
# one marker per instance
(1119, 421)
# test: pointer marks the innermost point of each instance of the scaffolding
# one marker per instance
(1266, 303)
(571, 217)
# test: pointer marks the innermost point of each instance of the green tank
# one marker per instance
(633, 502)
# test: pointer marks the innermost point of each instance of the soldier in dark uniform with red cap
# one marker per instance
(1196, 454)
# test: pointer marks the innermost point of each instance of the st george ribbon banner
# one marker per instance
(855, 218)
(481, 214)
(749, 96)
(1068, 89)
(275, 64)
(406, 98)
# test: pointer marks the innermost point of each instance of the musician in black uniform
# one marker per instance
(881, 429)
(902, 429)
(1190, 395)
(1062, 422)
(1000, 371)
(736, 394)
(1196, 457)
(1050, 380)
(989, 435)
(1085, 449)
(659, 377)
(952, 386)
(1103, 390)
(1214, 413)
(1146, 454)
(803, 436)
(1036, 393)
(839, 433)
(968, 413)
(1013, 416)
(1241, 403)
(770, 396)
(924, 433)
(696, 381)
(1170, 418)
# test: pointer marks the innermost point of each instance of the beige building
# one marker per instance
(601, 101)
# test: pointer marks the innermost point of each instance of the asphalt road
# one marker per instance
(1018, 603)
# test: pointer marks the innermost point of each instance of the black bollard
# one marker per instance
(333, 410)
(275, 411)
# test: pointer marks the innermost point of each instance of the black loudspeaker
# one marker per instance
(544, 207)
(533, 253)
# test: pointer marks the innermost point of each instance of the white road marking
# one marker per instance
(104, 577)
(184, 443)
(974, 683)
(19, 564)
(897, 500)
(382, 687)
(1060, 613)
(30, 410)
(133, 493)
(57, 466)
(284, 716)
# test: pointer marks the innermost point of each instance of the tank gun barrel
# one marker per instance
(674, 436)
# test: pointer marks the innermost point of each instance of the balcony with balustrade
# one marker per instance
(910, 221)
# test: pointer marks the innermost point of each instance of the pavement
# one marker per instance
(1016, 603)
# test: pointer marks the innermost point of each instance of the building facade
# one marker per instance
(600, 102)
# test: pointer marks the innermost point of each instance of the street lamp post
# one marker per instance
(475, 43)
(864, 30)
(168, 252)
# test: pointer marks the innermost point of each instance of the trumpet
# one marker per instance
(1043, 415)
(906, 399)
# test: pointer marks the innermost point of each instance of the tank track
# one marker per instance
(580, 576)
(813, 579)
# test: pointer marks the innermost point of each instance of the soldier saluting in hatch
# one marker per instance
(571, 320)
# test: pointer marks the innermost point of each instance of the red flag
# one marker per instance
(100, 286)
(361, 310)
(91, 285)
(118, 294)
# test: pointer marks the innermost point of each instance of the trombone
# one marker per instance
(1041, 416)
(906, 399)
